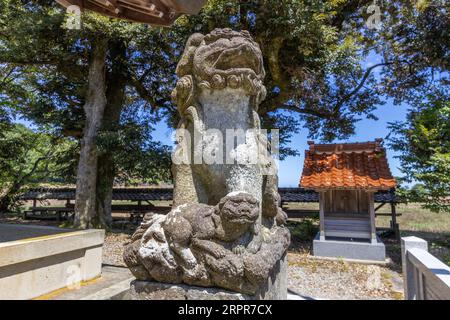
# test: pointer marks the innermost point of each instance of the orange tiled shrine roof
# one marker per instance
(155, 12)
(347, 166)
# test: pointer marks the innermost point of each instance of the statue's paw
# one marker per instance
(254, 246)
(159, 236)
(219, 254)
(190, 263)
(238, 249)
(213, 249)
(281, 217)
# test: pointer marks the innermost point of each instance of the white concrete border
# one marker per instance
(425, 276)
(35, 266)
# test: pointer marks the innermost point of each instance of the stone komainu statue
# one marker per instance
(226, 227)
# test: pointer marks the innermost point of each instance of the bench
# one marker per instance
(136, 212)
(49, 212)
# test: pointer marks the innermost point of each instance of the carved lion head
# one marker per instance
(222, 58)
(239, 209)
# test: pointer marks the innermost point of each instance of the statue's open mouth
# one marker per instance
(242, 221)
(233, 60)
(240, 57)
(243, 218)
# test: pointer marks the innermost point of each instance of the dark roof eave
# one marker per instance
(326, 188)
(166, 194)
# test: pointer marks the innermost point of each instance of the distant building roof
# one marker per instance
(166, 194)
(347, 166)
(155, 12)
(124, 194)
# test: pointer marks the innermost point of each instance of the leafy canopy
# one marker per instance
(28, 157)
(424, 143)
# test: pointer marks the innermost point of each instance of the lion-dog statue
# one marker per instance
(226, 228)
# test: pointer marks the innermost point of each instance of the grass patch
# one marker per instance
(303, 230)
(420, 222)
(416, 218)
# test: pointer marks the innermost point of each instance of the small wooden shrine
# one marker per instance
(154, 12)
(346, 176)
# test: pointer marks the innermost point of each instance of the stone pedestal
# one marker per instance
(351, 250)
(275, 289)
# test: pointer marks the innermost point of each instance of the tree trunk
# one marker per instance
(7, 199)
(85, 203)
(105, 181)
(115, 94)
(5, 203)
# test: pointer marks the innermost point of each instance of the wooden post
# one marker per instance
(394, 224)
(371, 202)
(322, 214)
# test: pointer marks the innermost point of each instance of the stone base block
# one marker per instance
(274, 289)
(44, 259)
(148, 290)
(349, 249)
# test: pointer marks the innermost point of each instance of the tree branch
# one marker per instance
(31, 62)
(10, 72)
(360, 85)
(142, 91)
(316, 113)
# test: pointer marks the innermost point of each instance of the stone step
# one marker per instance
(113, 282)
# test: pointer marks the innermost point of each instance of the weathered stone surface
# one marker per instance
(227, 228)
(147, 290)
(274, 289)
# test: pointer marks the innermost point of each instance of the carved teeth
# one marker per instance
(218, 81)
(248, 84)
(204, 85)
(184, 83)
(234, 81)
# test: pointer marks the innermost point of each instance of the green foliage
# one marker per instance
(138, 159)
(424, 141)
(414, 41)
(304, 230)
(46, 69)
(28, 158)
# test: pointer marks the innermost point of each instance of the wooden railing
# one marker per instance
(424, 276)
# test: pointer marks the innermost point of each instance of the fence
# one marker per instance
(424, 276)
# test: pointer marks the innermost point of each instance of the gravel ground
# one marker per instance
(324, 279)
(113, 248)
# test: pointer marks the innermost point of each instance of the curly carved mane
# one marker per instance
(222, 58)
